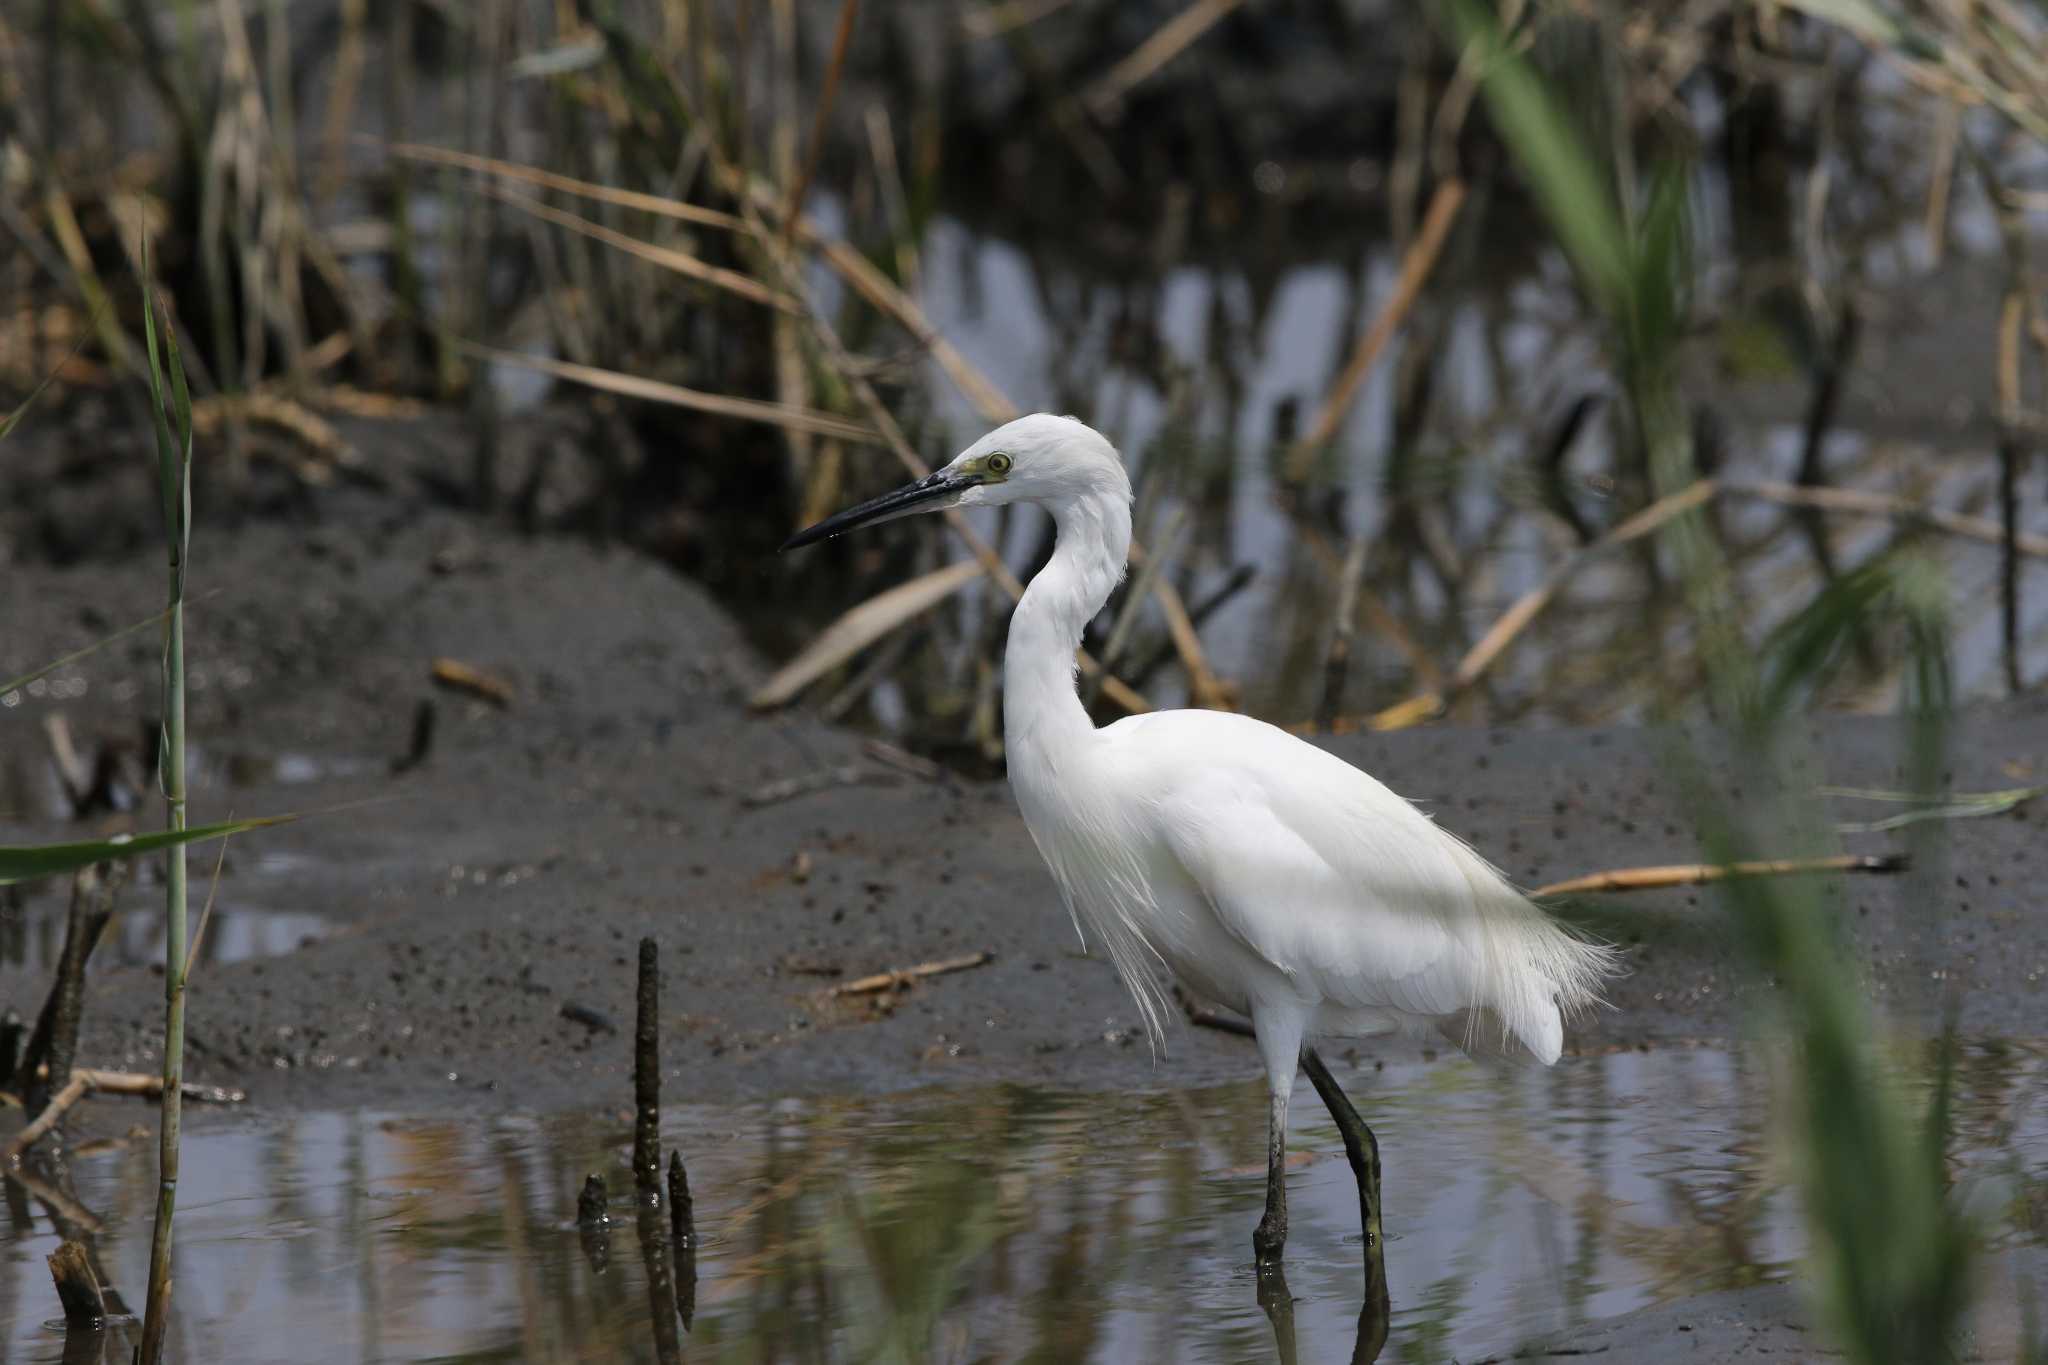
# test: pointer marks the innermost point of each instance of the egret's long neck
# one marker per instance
(1041, 713)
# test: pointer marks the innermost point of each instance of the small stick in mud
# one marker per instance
(593, 1222)
(682, 1222)
(422, 742)
(462, 677)
(55, 1040)
(647, 1078)
(1693, 874)
(591, 1211)
(78, 1288)
(661, 1287)
(903, 976)
(11, 1029)
(1202, 1016)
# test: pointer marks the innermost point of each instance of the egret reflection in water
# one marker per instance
(1012, 1222)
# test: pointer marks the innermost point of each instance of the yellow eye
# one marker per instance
(999, 464)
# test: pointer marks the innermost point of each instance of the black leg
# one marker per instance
(1361, 1148)
(1269, 1238)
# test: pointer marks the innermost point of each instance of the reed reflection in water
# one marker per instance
(1004, 1223)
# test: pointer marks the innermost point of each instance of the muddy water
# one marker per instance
(998, 1224)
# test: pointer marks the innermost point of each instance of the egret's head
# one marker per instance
(1040, 458)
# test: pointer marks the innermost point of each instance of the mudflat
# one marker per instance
(478, 905)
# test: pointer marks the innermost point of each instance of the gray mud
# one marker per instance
(482, 907)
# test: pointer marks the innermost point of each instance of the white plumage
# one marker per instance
(1268, 876)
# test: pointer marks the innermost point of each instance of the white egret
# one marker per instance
(1268, 876)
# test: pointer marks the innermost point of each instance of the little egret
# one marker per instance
(1268, 876)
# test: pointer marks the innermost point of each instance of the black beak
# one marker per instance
(915, 497)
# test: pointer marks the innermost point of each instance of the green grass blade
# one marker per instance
(1567, 182)
(31, 862)
(75, 655)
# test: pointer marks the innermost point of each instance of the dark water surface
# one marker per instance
(999, 1224)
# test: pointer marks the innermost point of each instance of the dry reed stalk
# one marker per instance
(566, 184)
(1860, 502)
(842, 38)
(1415, 267)
(1337, 662)
(1205, 689)
(655, 391)
(1168, 41)
(1694, 874)
(860, 627)
(1525, 609)
(993, 21)
(668, 258)
(903, 976)
(841, 361)
(211, 415)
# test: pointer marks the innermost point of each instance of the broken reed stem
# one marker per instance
(882, 981)
(647, 1077)
(78, 1288)
(1415, 267)
(1694, 874)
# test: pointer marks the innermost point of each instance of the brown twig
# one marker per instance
(462, 677)
(647, 1077)
(1693, 874)
(903, 976)
(1415, 267)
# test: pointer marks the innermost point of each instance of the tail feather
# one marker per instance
(1537, 972)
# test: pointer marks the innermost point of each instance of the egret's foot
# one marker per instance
(1269, 1240)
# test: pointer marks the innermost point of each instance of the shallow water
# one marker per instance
(1004, 1223)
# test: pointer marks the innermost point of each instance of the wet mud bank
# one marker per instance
(479, 869)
